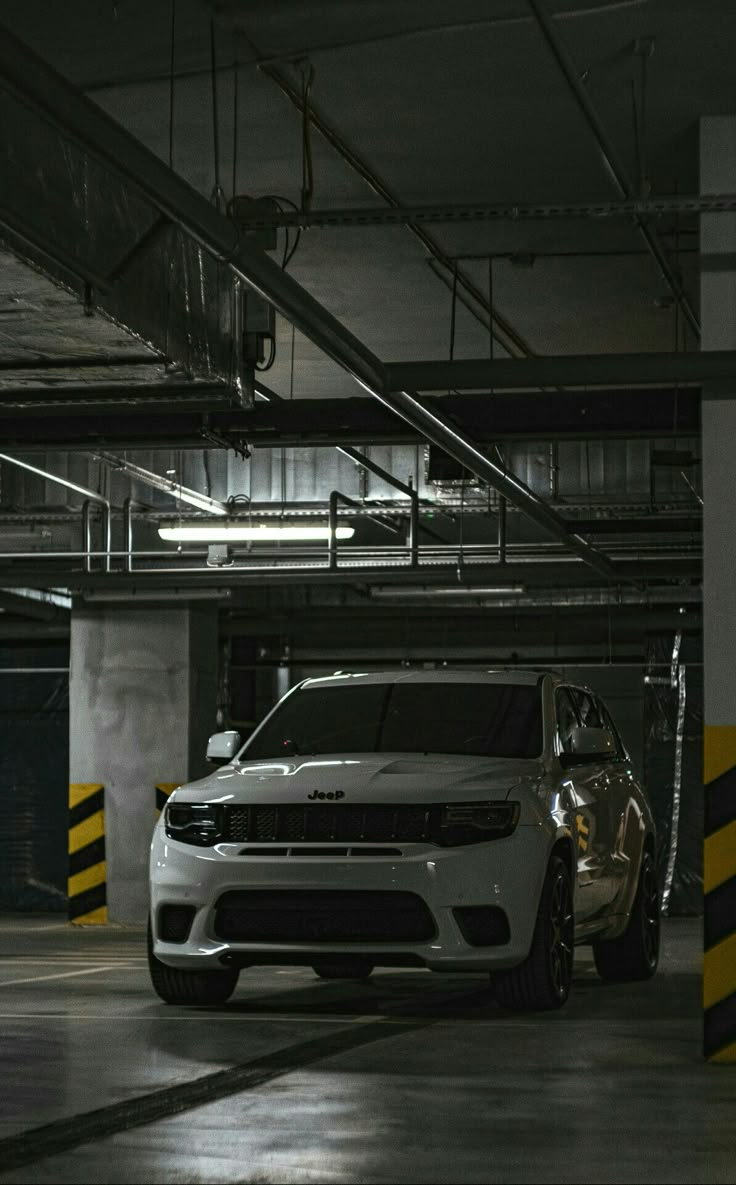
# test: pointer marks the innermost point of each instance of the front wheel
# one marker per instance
(543, 980)
(176, 986)
(635, 954)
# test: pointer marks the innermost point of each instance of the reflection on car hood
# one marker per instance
(371, 777)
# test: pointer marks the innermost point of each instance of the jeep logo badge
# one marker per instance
(332, 794)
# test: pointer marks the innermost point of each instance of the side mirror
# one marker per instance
(222, 747)
(586, 744)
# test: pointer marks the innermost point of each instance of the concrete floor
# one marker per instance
(409, 1077)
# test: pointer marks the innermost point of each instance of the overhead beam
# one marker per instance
(41, 88)
(502, 330)
(585, 415)
(574, 370)
(614, 164)
(484, 211)
(50, 574)
(83, 398)
(23, 606)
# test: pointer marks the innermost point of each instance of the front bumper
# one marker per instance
(506, 873)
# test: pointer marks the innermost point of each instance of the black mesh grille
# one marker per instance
(175, 922)
(483, 925)
(264, 915)
(356, 823)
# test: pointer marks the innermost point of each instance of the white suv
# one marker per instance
(453, 820)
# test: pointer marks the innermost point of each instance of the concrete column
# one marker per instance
(142, 702)
(718, 315)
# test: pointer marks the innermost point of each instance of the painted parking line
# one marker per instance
(50, 1139)
(69, 960)
(66, 974)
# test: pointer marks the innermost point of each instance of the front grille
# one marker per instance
(332, 851)
(327, 822)
(284, 915)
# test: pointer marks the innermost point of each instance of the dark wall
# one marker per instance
(34, 776)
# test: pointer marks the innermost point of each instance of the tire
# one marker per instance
(176, 986)
(343, 969)
(635, 954)
(542, 982)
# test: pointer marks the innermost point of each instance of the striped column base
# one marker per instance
(163, 790)
(87, 883)
(719, 884)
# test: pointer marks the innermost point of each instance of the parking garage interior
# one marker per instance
(432, 311)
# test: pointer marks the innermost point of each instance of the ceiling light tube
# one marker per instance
(251, 533)
(423, 592)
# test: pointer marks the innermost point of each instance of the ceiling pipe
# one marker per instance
(559, 569)
(88, 495)
(504, 333)
(508, 599)
(24, 606)
(626, 207)
(347, 450)
(611, 159)
(166, 484)
(37, 85)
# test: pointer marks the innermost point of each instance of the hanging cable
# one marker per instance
(218, 195)
(235, 128)
(490, 305)
(172, 51)
(171, 84)
(307, 164)
(260, 367)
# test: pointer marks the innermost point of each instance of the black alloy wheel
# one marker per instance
(542, 982)
(177, 986)
(635, 955)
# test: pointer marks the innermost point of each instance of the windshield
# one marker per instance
(483, 719)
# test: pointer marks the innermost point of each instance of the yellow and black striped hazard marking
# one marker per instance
(87, 884)
(163, 790)
(583, 832)
(719, 884)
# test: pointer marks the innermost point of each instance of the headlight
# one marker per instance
(476, 822)
(195, 823)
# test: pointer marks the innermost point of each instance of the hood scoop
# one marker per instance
(421, 767)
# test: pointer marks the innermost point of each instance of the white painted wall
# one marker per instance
(142, 681)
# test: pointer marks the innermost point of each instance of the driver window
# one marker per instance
(587, 708)
(566, 718)
(608, 723)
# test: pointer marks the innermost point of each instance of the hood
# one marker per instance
(371, 777)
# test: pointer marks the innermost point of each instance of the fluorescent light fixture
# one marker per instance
(253, 533)
(396, 592)
(100, 596)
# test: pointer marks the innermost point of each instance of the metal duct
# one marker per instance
(61, 105)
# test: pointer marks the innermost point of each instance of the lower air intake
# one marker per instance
(483, 925)
(262, 915)
(175, 922)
